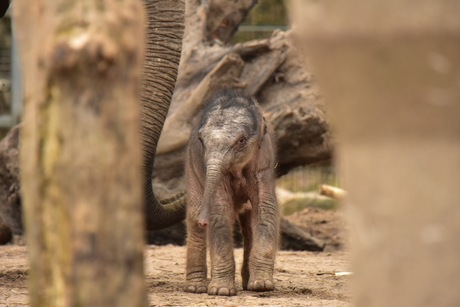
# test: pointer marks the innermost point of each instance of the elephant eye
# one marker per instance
(242, 141)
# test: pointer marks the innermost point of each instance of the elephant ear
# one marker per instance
(264, 126)
(263, 131)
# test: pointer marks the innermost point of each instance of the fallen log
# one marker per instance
(10, 198)
(292, 237)
(332, 192)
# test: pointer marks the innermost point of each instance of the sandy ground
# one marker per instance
(302, 278)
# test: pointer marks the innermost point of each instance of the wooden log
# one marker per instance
(332, 192)
(6, 235)
(294, 238)
(10, 192)
(224, 18)
(257, 71)
(252, 48)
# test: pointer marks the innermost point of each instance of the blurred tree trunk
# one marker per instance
(383, 66)
(80, 155)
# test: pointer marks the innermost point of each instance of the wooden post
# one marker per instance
(80, 154)
(390, 71)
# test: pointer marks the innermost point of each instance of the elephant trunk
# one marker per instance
(165, 27)
(213, 179)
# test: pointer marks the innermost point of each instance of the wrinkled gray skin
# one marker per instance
(230, 176)
(164, 30)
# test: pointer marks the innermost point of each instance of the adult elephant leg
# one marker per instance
(165, 27)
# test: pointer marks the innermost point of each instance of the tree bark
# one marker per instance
(333, 192)
(80, 151)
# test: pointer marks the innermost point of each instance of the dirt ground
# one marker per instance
(302, 278)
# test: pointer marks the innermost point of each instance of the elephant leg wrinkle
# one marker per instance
(229, 171)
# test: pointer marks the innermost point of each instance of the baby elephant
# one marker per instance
(230, 164)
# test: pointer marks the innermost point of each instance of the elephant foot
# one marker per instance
(196, 287)
(224, 288)
(260, 283)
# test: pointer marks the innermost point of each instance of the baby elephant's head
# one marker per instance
(231, 131)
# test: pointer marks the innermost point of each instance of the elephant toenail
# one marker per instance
(223, 291)
(201, 290)
(213, 291)
(190, 289)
